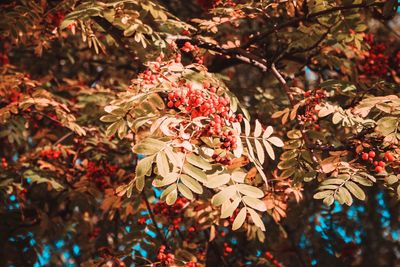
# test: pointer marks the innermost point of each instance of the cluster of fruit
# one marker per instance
(173, 212)
(272, 259)
(50, 154)
(227, 249)
(98, 173)
(376, 62)
(378, 164)
(312, 99)
(166, 258)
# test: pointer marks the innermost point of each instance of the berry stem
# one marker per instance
(150, 211)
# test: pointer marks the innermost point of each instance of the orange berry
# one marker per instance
(364, 156)
(379, 169)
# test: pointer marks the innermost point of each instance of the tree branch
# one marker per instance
(307, 17)
(151, 214)
(286, 88)
(234, 53)
(116, 34)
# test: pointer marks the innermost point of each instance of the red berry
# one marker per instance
(379, 169)
(371, 154)
(389, 156)
(364, 156)
(381, 163)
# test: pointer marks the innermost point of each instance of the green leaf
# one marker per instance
(167, 180)
(355, 190)
(113, 128)
(143, 166)
(238, 176)
(156, 100)
(224, 195)
(332, 181)
(140, 183)
(398, 191)
(185, 191)
(162, 164)
(255, 203)
(149, 146)
(256, 219)
(122, 129)
(218, 180)
(267, 133)
(260, 151)
(323, 194)
(345, 196)
(192, 184)
(250, 191)
(194, 172)
(228, 209)
(167, 191)
(247, 127)
(250, 148)
(171, 197)
(257, 129)
(275, 141)
(362, 180)
(286, 164)
(329, 200)
(269, 149)
(109, 118)
(336, 118)
(198, 162)
(240, 218)
(173, 157)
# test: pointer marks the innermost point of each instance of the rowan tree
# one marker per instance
(199, 133)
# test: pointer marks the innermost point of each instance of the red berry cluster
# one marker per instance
(97, 173)
(4, 53)
(191, 264)
(50, 154)
(228, 142)
(4, 59)
(149, 77)
(95, 233)
(188, 47)
(15, 96)
(141, 220)
(227, 249)
(198, 103)
(56, 18)
(377, 62)
(396, 61)
(379, 165)
(205, 102)
(312, 99)
(165, 258)
(173, 212)
(4, 163)
(272, 259)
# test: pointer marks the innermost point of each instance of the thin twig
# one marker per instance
(63, 138)
(151, 214)
(286, 88)
(307, 17)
